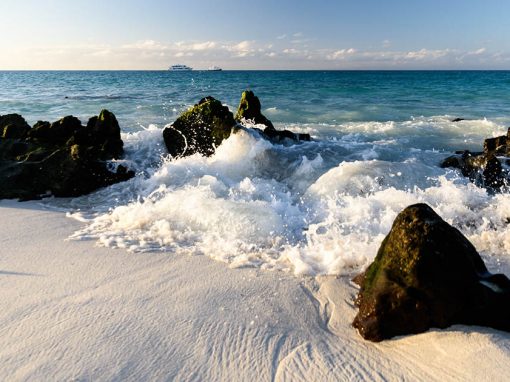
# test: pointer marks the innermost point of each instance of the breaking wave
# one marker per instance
(319, 207)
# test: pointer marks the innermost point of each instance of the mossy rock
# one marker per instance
(250, 109)
(57, 132)
(13, 126)
(103, 134)
(201, 129)
(427, 274)
(63, 158)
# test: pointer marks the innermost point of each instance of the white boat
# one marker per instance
(214, 69)
(179, 68)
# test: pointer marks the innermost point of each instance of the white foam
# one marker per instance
(319, 207)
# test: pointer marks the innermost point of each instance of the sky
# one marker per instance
(265, 34)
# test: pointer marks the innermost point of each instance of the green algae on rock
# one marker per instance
(203, 127)
(250, 109)
(427, 274)
(200, 129)
(63, 158)
(13, 126)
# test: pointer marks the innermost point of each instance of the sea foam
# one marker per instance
(320, 207)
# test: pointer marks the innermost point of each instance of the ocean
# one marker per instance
(319, 207)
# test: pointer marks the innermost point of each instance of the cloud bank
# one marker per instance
(286, 52)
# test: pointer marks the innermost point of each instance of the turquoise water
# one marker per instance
(157, 97)
(319, 207)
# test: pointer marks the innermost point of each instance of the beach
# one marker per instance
(284, 191)
(71, 310)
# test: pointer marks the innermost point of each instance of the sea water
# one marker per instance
(319, 207)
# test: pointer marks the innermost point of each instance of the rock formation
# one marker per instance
(427, 274)
(63, 158)
(203, 127)
(250, 109)
(200, 129)
(483, 168)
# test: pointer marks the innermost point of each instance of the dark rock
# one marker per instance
(204, 126)
(200, 129)
(454, 161)
(56, 133)
(458, 119)
(304, 137)
(250, 109)
(63, 158)
(175, 142)
(103, 132)
(279, 136)
(498, 145)
(485, 170)
(472, 153)
(13, 126)
(492, 173)
(495, 146)
(427, 274)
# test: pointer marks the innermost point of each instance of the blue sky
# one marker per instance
(153, 34)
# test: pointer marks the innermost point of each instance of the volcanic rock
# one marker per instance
(484, 168)
(200, 129)
(250, 109)
(427, 274)
(13, 126)
(63, 158)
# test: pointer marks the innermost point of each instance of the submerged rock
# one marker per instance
(279, 136)
(63, 158)
(427, 274)
(200, 129)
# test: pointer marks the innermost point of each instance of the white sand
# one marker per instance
(73, 311)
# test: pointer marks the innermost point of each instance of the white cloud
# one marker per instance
(341, 54)
(242, 46)
(144, 45)
(151, 54)
(207, 45)
(291, 51)
(101, 53)
(241, 49)
(424, 54)
(184, 54)
(477, 52)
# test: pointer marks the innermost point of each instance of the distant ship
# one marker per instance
(179, 68)
(214, 69)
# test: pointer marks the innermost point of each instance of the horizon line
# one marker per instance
(257, 70)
